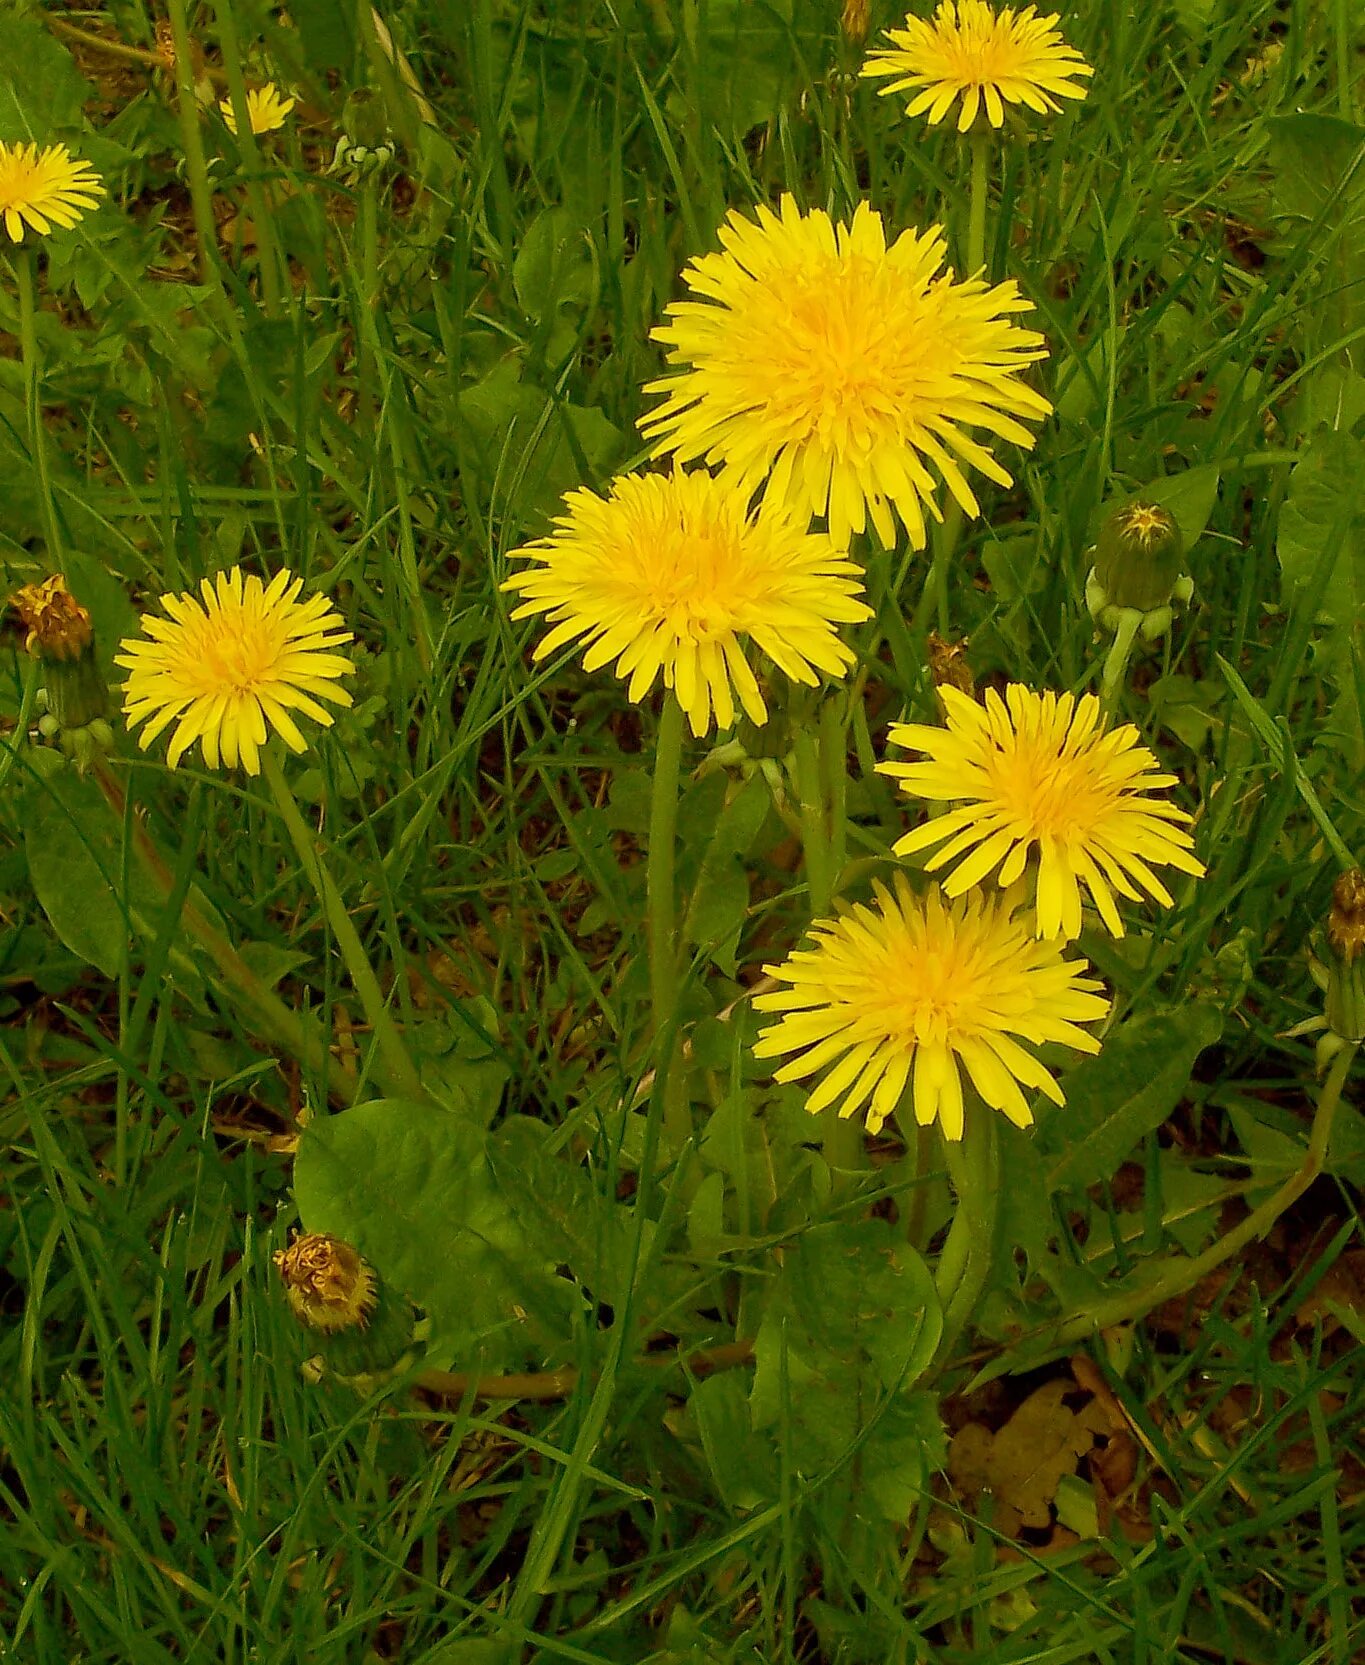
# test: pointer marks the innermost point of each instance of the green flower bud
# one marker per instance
(1138, 556)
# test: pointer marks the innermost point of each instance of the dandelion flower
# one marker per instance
(671, 573)
(326, 1282)
(265, 109)
(914, 990)
(230, 668)
(988, 58)
(845, 373)
(40, 189)
(1039, 772)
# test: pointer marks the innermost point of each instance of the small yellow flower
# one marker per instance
(844, 373)
(672, 573)
(987, 58)
(913, 991)
(40, 189)
(1037, 772)
(265, 108)
(327, 1284)
(230, 668)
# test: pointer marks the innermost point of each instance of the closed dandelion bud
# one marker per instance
(1138, 556)
(1345, 1005)
(855, 20)
(74, 694)
(364, 146)
(358, 1325)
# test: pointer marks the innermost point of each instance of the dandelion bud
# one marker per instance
(1138, 556)
(359, 1325)
(855, 20)
(365, 146)
(1136, 585)
(74, 695)
(1345, 1005)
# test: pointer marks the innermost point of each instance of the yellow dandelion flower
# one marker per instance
(1039, 772)
(227, 669)
(671, 573)
(40, 189)
(987, 58)
(845, 373)
(912, 991)
(265, 109)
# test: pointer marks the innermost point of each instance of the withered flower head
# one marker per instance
(1346, 922)
(327, 1284)
(58, 626)
(948, 665)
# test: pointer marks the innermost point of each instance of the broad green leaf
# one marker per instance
(1115, 1099)
(1190, 497)
(1318, 166)
(76, 862)
(1321, 548)
(553, 266)
(412, 1189)
(743, 1467)
(42, 100)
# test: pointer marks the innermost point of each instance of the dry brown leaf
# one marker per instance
(1022, 1465)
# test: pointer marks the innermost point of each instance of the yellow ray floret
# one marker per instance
(266, 109)
(40, 189)
(1036, 776)
(229, 668)
(846, 374)
(912, 991)
(986, 58)
(671, 574)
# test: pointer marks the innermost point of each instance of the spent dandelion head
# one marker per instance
(327, 1284)
(43, 189)
(987, 58)
(1038, 775)
(232, 664)
(56, 625)
(911, 991)
(846, 374)
(266, 109)
(672, 575)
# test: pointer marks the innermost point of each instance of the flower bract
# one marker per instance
(671, 574)
(232, 664)
(912, 991)
(987, 58)
(1038, 775)
(844, 373)
(265, 109)
(40, 189)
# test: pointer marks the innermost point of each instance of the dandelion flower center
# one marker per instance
(911, 992)
(672, 574)
(843, 375)
(1037, 775)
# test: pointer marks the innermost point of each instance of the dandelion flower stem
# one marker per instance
(397, 1071)
(25, 270)
(964, 1267)
(1116, 661)
(935, 598)
(662, 906)
(298, 1035)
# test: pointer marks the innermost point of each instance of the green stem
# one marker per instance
(964, 1267)
(661, 885)
(934, 600)
(26, 272)
(257, 190)
(276, 1022)
(1177, 1275)
(196, 168)
(1116, 661)
(980, 142)
(397, 1070)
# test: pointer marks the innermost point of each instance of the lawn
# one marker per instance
(592, 583)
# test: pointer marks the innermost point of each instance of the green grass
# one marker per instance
(392, 416)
